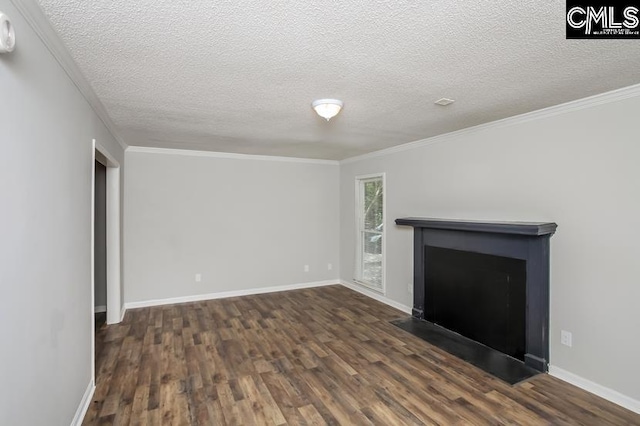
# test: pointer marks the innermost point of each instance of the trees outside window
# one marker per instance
(370, 224)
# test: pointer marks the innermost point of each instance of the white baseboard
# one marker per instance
(596, 389)
(376, 296)
(122, 312)
(84, 404)
(100, 309)
(225, 294)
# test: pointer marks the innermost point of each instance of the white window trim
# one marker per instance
(358, 243)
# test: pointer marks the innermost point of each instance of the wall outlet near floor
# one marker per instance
(565, 338)
(198, 278)
(410, 288)
(306, 268)
(329, 266)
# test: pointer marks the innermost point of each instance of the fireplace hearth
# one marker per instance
(486, 284)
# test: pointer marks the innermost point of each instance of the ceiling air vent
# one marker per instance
(444, 102)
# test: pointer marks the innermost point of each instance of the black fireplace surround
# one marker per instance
(488, 281)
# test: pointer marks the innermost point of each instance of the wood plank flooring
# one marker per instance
(318, 356)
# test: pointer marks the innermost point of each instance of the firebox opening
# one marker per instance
(480, 296)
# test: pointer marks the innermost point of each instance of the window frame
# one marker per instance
(359, 228)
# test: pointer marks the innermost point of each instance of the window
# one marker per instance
(370, 231)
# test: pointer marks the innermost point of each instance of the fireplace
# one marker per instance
(486, 281)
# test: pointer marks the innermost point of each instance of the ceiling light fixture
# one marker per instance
(327, 108)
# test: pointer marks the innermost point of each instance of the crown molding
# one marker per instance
(591, 101)
(229, 155)
(35, 17)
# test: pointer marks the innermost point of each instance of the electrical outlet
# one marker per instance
(329, 266)
(410, 288)
(306, 268)
(565, 338)
(198, 278)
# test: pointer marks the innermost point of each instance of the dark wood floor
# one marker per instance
(319, 356)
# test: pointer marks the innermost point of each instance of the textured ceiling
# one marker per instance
(239, 76)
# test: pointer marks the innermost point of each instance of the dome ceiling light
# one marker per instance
(327, 108)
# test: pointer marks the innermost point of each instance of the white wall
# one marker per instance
(45, 239)
(241, 223)
(580, 169)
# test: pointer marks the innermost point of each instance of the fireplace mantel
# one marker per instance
(528, 241)
(516, 228)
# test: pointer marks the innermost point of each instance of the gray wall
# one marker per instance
(100, 240)
(579, 169)
(242, 224)
(45, 243)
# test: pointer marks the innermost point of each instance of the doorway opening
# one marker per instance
(100, 244)
(105, 244)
